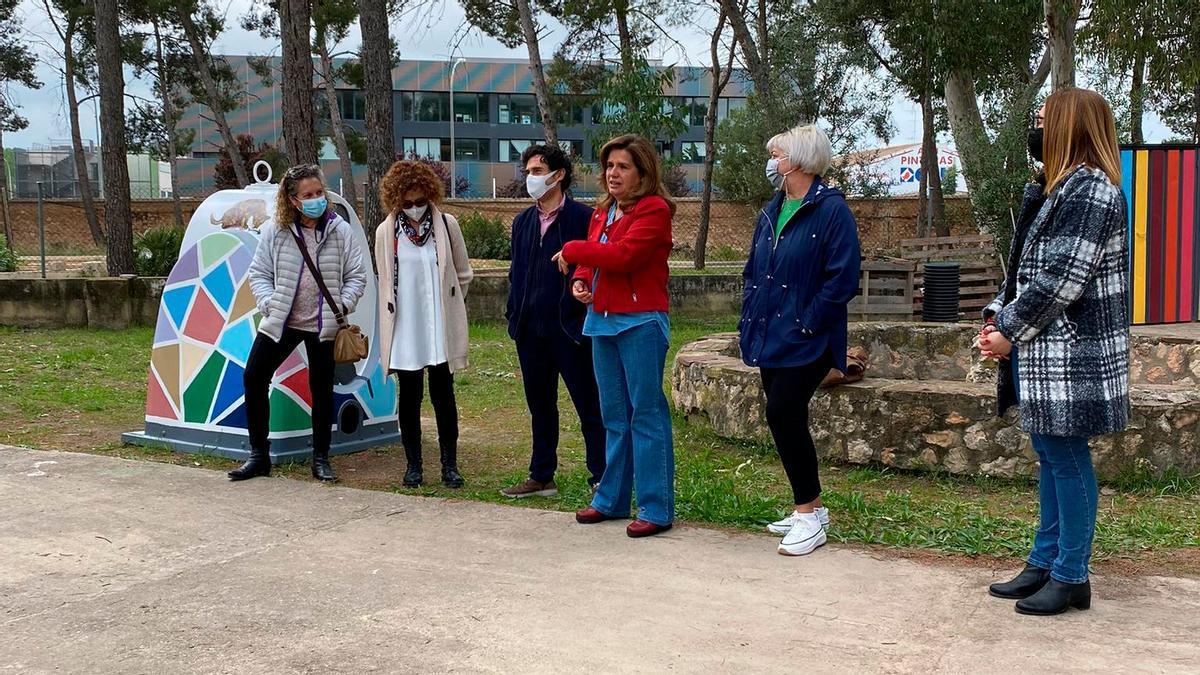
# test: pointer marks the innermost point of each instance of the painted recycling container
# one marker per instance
(207, 322)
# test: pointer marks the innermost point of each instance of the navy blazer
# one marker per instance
(797, 288)
(572, 223)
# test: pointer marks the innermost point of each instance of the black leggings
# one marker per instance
(265, 358)
(441, 392)
(789, 391)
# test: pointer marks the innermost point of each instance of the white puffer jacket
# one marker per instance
(275, 274)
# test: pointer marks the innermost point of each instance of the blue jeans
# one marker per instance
(1068, 496)
(637, 422)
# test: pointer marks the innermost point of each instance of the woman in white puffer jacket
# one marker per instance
(294, 311)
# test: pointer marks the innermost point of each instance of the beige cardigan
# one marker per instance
(455, 267)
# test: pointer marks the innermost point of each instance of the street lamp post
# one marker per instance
(453, 164)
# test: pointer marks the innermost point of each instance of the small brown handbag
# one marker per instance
(349, 345)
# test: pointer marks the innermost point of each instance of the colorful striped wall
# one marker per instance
(1162, 187)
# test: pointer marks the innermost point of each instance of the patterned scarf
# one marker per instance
(421, 233)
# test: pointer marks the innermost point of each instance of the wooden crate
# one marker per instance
(885, 291)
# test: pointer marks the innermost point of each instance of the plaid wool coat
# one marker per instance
(1069, 321)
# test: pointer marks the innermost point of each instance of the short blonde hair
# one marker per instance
(807, 148)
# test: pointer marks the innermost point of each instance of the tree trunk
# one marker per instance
(529, 29)
(81, 167)
(621, 9)
(748, 46)
(117, 217)
(200, 58)
(377, 71)
(1137, 98)
(168, 111)
(349, 190)
(8, 234)
(1061, 16)
(719, 80)
(930, 170)
(299, 133)
(1196, 111)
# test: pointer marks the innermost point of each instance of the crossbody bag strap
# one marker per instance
(308, 261)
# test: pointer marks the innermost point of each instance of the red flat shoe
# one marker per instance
(642, 528)
(590, 516)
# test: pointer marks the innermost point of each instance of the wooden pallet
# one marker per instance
(978, 285)
(885, 291)
(966, 247)
(979, 274)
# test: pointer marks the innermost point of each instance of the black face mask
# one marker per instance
(1036, 140)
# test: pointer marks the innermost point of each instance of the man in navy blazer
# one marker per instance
(547, 322)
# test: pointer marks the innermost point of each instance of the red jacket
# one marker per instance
(632, 264)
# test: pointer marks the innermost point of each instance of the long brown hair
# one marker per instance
(286, 213)
(1080, 129)
(645, 159)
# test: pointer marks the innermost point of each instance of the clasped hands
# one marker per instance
(992, 344)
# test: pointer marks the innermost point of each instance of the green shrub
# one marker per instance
(726, 253)
(486, 238)
(8, 257)
(156, 250)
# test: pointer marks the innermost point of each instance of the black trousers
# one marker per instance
(789, 391)
(265, 358)
(445, 409)
(543, 360)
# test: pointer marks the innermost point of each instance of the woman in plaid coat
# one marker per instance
(1062, 332)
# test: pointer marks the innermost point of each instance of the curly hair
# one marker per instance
(285, 212)
(408, 175)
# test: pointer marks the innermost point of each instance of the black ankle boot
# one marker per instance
(322, 470)
(1029, 581)
(1057, 597)
(259, 464)
(413, 476)
(451, 478)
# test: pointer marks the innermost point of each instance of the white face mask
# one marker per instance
(538, 186)
(774, 175)
(416, 213)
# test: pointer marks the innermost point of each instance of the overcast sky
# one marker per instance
(429, 36)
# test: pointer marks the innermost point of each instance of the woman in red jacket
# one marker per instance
(621, 275)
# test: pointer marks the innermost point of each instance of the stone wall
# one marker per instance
(79, 303)
(882, 223)
(929, 403)
(117, 303)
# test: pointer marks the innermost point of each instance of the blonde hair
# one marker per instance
(807, 148)
(286, 213)
(645, 160)
(1079, 129)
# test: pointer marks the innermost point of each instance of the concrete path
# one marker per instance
(115, 566)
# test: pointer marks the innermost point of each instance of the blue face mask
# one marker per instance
(314, 208)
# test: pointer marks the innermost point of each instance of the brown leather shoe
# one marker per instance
(642, 528)
(590, 515)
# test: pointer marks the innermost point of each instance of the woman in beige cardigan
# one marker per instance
(424, 271)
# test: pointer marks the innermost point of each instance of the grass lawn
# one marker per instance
(78, 390)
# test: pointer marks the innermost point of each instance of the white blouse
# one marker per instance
(419, 335)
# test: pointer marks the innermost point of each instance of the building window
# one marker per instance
(510, 151)
(431, 106)
(602, 112)
(472, 150)
(352, 104)
(204, 154)
(518, 109)
(691, 153)
(471, 108)
(572, 148)
(727, 105)
(569, 113)
(664, 149)
(437, 149)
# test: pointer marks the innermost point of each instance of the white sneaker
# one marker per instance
(805, 536)
(782, 527)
